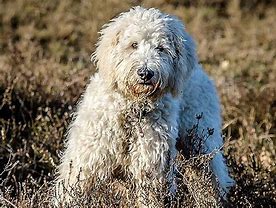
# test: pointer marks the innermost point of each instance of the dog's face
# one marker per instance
(145, 53)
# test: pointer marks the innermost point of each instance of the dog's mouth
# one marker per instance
(146, 83)
(145, 89)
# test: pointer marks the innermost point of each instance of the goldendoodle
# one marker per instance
(145, 95)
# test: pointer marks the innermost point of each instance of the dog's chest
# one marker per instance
(134, 121)
(148, 132)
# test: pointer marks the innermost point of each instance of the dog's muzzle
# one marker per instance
(147, 83)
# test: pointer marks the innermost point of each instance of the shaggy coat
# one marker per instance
(145, 95)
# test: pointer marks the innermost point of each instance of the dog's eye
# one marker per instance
(160, 48)
(134, 45)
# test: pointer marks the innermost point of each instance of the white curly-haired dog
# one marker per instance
(145, 96)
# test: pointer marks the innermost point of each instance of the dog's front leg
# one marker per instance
(152, 162)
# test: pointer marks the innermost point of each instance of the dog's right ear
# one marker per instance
(109, 37)
(104, 56)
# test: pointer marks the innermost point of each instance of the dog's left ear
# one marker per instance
(185, 59)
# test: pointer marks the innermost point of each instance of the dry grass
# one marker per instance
(45, 48)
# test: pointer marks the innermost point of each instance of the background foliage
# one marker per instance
(45, 49)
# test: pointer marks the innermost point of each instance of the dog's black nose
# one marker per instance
(145, 74)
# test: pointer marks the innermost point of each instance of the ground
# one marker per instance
(45, 49)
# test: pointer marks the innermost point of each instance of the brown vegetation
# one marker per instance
(45, 48)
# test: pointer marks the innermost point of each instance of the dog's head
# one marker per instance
(145, 53)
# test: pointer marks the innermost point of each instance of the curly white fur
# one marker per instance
(123, 121)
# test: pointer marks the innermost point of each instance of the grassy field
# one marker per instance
(45, 49)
